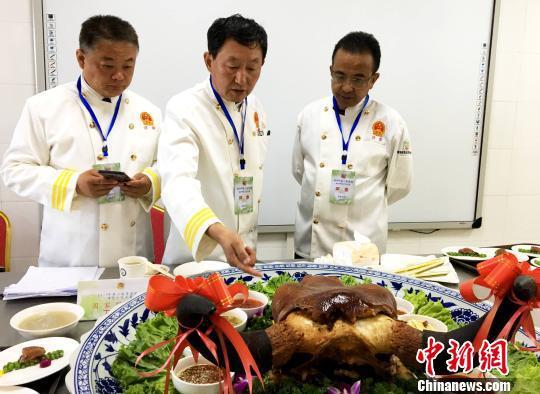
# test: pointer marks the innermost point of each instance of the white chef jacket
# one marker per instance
(54, 142)
(380, 155)
(198, 158)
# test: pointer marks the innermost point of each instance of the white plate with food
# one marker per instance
(529, 250)
(520, 256)
(97, 365)
(200, 267)
(469, 253)
(51, 346)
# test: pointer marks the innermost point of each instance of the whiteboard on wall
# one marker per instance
(434, 70)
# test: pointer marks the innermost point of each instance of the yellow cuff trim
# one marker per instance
(60, 189)
(156, 185)
(195, 224)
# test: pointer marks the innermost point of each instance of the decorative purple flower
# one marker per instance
(346, 389)
(240, 383)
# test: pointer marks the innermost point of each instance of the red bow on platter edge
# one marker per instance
(498, 275)
(163, 295)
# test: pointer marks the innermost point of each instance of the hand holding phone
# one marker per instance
(119, 176)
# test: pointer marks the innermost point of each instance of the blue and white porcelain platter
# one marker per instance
(91, 364)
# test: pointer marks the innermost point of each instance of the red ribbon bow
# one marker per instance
(163, 294)
(498, 275)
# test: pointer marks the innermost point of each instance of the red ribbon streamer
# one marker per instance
(163, 294)
(498, 275)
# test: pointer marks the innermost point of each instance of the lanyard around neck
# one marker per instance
(239, 139)
(86, 104)
(345, 144)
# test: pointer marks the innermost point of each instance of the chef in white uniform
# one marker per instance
(212, 151)
(352, 155)
(66, 134)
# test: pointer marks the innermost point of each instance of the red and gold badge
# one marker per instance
(147, 119)
(378, 128)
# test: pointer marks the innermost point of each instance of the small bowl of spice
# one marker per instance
(237, 317)
(202, 377)
(254, 305)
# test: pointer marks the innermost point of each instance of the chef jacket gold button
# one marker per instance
(318, 194)
(366, 112)
(316, 221)
(254, 134)
(132, 223)
(99, 157)
(104, 226)
(133, 157)
(321, 164)
(358, 138)
(131, 126)
(126, 101)
(260, 167)
(325, 109)
(323, 136)
(91, 125)
(349, 166)
(235, 174)
(230, 141)
(218, 107)
(259, 201)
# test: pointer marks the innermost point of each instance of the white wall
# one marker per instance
(511, 211)
(17, 82)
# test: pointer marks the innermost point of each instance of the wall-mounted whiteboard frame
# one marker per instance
(287, 225)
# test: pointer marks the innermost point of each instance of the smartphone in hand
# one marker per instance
(119, 176)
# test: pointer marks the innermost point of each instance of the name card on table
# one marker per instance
(98, 297)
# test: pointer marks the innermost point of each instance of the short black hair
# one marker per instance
(106, 27)
(245, 31)
(360, 42)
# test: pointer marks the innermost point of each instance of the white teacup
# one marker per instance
(132, 266)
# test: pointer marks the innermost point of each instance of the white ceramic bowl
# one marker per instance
(404, 305)
(192, 388)
(535, 263)
(77, 311)
(258, 310)
(435, 323)
(240, 315)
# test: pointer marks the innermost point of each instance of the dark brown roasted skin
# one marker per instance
(325, 300)
(31, 353)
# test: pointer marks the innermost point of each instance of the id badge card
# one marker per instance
(342, 187)
(243, 194)
(115, 195)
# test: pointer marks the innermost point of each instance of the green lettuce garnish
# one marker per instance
(424, 306)
(523, 371)
(155, 330)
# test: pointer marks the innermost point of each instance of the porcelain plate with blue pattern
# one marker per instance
(91, 364)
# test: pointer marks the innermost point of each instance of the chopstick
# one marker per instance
(422, 267)
(432, 274)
